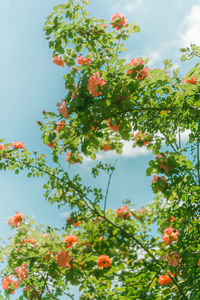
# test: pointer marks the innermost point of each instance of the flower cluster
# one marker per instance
(192, 80)
(9, 284)
(70, 240)
(94, 82)
(81, 60)
(123, 212)
(63, 259)
(159, 184)
(15, 220)
(166, 279)
(118, 21)
(58, 61)
(170, 235)
(139, 68)
(172, 258)
(165, 165)
(62, 109)
(104, 261)
(112, 125)
(142, 138)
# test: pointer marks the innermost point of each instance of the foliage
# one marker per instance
(110, 254)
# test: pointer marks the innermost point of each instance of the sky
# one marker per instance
(30, 82)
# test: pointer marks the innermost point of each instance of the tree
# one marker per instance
(110, 254)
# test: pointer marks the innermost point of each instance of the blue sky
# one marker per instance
(30, 82)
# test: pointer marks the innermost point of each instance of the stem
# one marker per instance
(108, 186)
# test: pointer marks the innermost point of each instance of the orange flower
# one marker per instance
(21, 272)
(18, 145)
(93, 82)
(16, 219)
(58, 61)
(60, 125)
(199, 263)
(192, 80)
(70, 240)
(114, 127)
(9, 284)
(118, 21)
(173, 258)
(62, 109)
(170, 235)
(63, 259)
(163, 280)
(123, 212)
(81, 60)
(106, 147)
(104, 261)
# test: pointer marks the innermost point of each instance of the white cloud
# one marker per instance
(154, 57)
(128, 151)
(64, 214)
(191, 27)
(127, 6)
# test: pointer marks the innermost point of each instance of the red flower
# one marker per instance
(118, 21)
(93, 82)
(104, 261)
(199, 263)
(62, 109)
(163, 280)
(192, 80)
(60, 125)
(81, 60)
(18, 145)
(15, 220)
(70, 240)
(170, 235)
(123, 212)
(9, 284)
(63, 259)
(51, 145)
(142, 138)
(58, 61)
(114, 127)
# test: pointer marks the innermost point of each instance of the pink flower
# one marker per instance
(93, 83)
(60, 125)
(118, 21)
(81, 60)
(192, 80)
(2, 147)
(62, 109)
(123, 212)
(58, 61)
